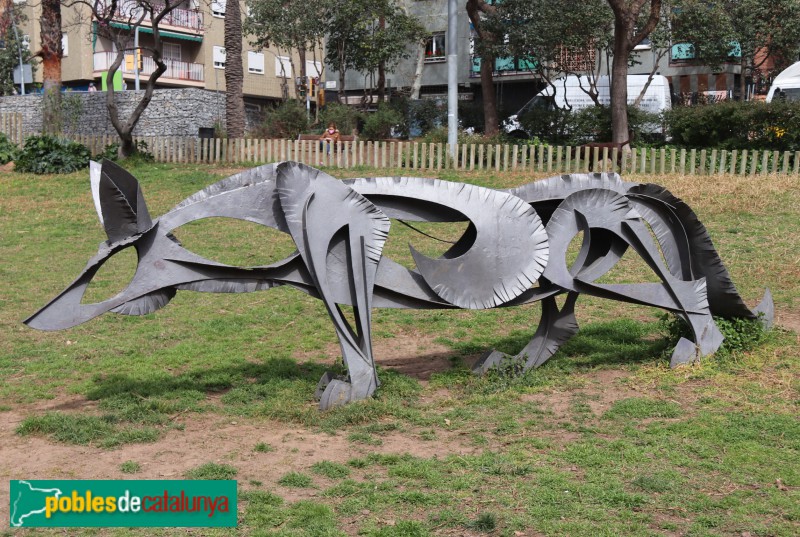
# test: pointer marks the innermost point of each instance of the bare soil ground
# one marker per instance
(214, 438)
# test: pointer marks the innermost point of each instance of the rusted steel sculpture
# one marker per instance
(513, 252)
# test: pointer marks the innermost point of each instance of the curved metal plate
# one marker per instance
(509, 251)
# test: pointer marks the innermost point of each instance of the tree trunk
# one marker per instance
(341, 95)
(381, 65)
(416, 82)
(234, 71)
(619, 85)
(491, 123)
(50, 27)
(381, 81)
(301, 53)
(743, 80)
(626, 15)
(126, 146)
(656, 60)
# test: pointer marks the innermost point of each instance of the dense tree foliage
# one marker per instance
(763, 34)
(288, 25)
(369, 36)
(13, 46)
(553, 41)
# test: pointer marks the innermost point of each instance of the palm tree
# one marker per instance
(50, 53)
(234, 72)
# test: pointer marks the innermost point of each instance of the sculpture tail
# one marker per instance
(766, 310)
(690, 253)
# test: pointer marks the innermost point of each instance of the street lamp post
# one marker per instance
(452, 77)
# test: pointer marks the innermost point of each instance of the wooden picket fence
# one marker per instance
(11, 125)
(496, 157)
(436, 156)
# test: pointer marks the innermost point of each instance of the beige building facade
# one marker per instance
(193, 39)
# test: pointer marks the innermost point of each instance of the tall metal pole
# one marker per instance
(19, 51)
(136, 55)
(452, 76)
(308, 97)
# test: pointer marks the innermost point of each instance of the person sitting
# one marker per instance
(329, 138)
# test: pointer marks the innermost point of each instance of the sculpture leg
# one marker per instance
(362, 378)
(708, 338)
(340, 236)
(555, 328)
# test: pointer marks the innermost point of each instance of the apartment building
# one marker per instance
(514, 82)
(193, 39)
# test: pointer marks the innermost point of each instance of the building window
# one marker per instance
(64, 45)
(576, 59)
(218, 8)
(172, 51)
(255, 62)
(283, 67)
(219, 57)
(313, 69)
(435, 48)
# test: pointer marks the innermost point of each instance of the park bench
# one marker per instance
(315, 137)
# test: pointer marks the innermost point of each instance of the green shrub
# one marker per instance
(439, 135)
(49, 154)
(575, 127)
(8, 151)
(470, 115)
(380, 124)
(346, 118)
(553, 125)
(741, 335)
(286, 120)
(421, 116)
(737, 125)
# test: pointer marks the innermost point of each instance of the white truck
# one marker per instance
(786, 85)
(570, 92)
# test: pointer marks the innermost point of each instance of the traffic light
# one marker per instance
(135, 59)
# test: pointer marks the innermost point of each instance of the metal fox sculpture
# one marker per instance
(513, 252)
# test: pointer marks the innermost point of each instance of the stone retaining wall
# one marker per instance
(171, 112)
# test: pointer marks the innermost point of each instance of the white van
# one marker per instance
(569, 92)
(788, 82)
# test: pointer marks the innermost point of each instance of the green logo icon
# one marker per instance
(120, 503)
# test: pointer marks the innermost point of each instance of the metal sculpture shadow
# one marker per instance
(513, 252)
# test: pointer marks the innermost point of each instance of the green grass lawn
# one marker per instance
(604, 439)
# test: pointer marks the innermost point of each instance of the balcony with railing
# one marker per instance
(190, 20)
(176, 70)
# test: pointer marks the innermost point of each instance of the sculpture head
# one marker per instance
(163, 264)
(123, 213)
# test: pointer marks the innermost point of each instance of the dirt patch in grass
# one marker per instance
(203, 438)
(416, 355)
(789, 320)
(602, 389)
